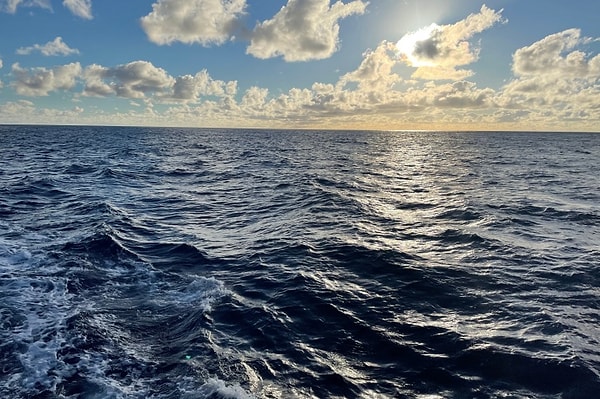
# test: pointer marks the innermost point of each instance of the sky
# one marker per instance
(321, 64)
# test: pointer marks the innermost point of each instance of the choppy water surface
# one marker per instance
(169, 263)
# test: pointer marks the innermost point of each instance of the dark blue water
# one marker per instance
(170, 263)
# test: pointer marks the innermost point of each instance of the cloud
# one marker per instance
(133, 80)
(42, 81)
(142, 80)
(375, 72)
(437, 51)
(421, 47)
(441, 72)
(18, 111)
(372, 90)
(17, 108)
(0, 63)
(462, 94)
(10, 6)
(191, 88)
(553, 56)
(302, 30)
(55, 47)
(193, 21)
(95, 81)
(372, 95)
(254, 98)
(553, 72)
(555, 83)
(81, 8)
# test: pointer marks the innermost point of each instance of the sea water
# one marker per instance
(215, 263)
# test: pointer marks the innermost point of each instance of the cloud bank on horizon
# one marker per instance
(423, 79)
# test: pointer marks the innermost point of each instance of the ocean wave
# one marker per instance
(80, 169)
(587, 217)
(182, 263)
(31, 190)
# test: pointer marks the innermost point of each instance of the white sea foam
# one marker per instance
(215, 386)
(12, 256)
(43, 305)
(202, 293)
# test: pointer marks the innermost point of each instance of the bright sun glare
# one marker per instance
(408, 45)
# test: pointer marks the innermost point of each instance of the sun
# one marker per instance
(416, 48)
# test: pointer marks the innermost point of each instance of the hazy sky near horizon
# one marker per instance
(378, 64)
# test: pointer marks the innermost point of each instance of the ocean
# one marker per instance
(219, 263)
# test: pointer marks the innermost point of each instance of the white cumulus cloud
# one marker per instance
(438, 51)
(302, 30)
(133, 80)
(193, 21)
(376, 69)
(42, 81)
(95, 83)
(191, 88)
(81, 8)
(555, 72)
(254, 98)
(55, 47)
(556, 54)
(143, 80)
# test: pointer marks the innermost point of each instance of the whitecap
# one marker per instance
(216, 387)
(202, 293)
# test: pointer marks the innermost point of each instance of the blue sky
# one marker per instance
(379, 64)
